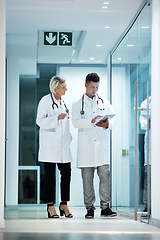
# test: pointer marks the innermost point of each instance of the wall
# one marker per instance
(12, 132)
(2, 109)
(155, 133)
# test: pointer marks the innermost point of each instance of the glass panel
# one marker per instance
(27, 186)
(130, 64)
(27, 122)
(31, 91)
(144, 118)
(27, 193)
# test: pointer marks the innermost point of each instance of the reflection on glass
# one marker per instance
(145, 124)
(27, 187)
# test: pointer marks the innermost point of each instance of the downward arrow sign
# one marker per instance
(50, 39)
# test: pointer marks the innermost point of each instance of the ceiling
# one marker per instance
(27, 20)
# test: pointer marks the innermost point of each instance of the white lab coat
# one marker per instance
(143, 124)
(93, 142)
(54, 134)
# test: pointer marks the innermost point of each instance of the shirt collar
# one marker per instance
(91, 99)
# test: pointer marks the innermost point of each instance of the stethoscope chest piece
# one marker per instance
(82, 112)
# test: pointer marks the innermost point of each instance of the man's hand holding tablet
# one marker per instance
(104, 121)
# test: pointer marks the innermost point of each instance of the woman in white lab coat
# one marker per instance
(54, 145)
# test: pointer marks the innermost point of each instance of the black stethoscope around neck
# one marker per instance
(82, 112)
(55, 104)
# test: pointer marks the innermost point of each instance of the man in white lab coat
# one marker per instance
(143, 124)
(93, 144)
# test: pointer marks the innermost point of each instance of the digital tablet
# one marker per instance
(109, 116)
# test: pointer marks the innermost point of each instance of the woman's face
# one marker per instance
(61, 90)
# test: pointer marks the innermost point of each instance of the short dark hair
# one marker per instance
(92, 77)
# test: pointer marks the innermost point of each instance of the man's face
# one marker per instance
(91, 88)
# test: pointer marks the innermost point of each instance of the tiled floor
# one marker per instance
(32, 224)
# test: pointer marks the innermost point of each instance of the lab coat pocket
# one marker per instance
(83, 140)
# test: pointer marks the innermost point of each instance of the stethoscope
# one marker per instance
(82, 112)
(54, 103)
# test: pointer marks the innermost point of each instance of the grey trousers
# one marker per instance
(103, 173)
(145, 196)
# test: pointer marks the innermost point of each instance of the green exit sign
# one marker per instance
(58, 38)
(50, 38)
(65, 38)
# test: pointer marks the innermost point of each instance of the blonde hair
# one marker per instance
(55, 82)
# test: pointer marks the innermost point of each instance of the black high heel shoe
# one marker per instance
(62, 212)
(49, 214)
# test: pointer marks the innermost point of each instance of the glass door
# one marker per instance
(131, 86)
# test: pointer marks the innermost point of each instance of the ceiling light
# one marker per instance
(107, 27)
(98, 45)
(92, 58)
(130, 45)
(119, 60)
(106, 3)
(145, 27)
(104, 7)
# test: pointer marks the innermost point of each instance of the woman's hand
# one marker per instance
(62, 116)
